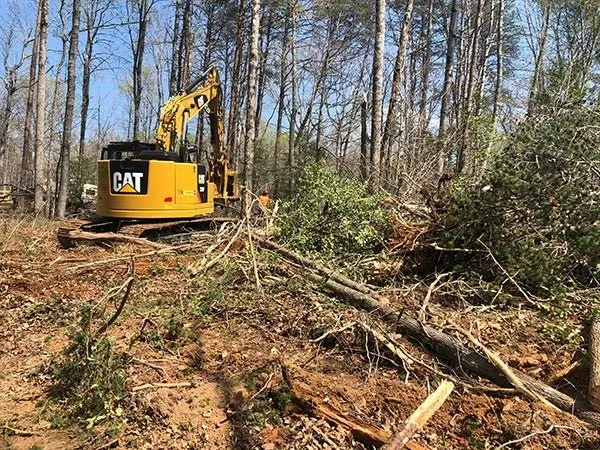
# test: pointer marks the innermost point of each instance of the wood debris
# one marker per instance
(421, 416)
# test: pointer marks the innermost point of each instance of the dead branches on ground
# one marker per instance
(160, 386)
(128, 283)
(18, 431)
(310, 264)
(309, 400)
(550, 429)
(443, 345)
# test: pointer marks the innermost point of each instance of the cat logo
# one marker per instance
(129, 177)
(127, 182)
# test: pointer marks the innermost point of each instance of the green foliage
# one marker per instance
(89, 379)
(282, 398)
(332, 215)
(538, 209)
(81, 173)
(175, 326)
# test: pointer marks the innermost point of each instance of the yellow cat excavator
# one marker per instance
(170, 179)
(152, 189)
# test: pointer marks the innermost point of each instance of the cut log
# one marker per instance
(421, 416)
(445, 346)
(69, 237)
(594, 359)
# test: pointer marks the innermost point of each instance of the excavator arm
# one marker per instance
(203, 94)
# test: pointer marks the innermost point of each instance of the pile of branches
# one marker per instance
(474, 358)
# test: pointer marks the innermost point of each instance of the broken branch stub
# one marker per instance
(594, 358)
(421, 416)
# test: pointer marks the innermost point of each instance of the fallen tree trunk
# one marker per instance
(306, 262)
(452, 350)
(69, 237)
(447, 347)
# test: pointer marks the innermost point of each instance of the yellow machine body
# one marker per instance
(172, 192)
(139, 180)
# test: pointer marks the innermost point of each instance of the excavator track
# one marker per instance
(107, 231)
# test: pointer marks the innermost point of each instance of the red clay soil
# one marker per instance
(226, 340)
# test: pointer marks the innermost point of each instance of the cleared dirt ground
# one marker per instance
(226, 341)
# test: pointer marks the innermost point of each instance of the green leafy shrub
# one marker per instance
(89, 379)
(539, 209)
(332, 215)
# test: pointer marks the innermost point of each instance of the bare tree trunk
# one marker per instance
(499, 32)
(376, 114)
(26, 178)
(448, 84)
(411, 122)
(65, 148)
(396, 100)
(363, 137)
(157, 57)
(206, 57)
(499, 63)
(94, 21)
(53, 119)
(357, 110)
(90, 21)
(234, 107)
(462, 156)
(173, 83)
(316, 87)
(293, 106)
(41, 108)
(138, 46)
(184, 57)
(318, 153)
(251, 104)
(262, 77)
(489, 32)
(332, 27)
(539, 59)
(10, 87)
(426, 26)
(280, 107)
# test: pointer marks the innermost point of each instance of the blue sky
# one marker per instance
(106, 93)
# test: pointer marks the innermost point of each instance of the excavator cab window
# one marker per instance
(136, 150)
(119, 155)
